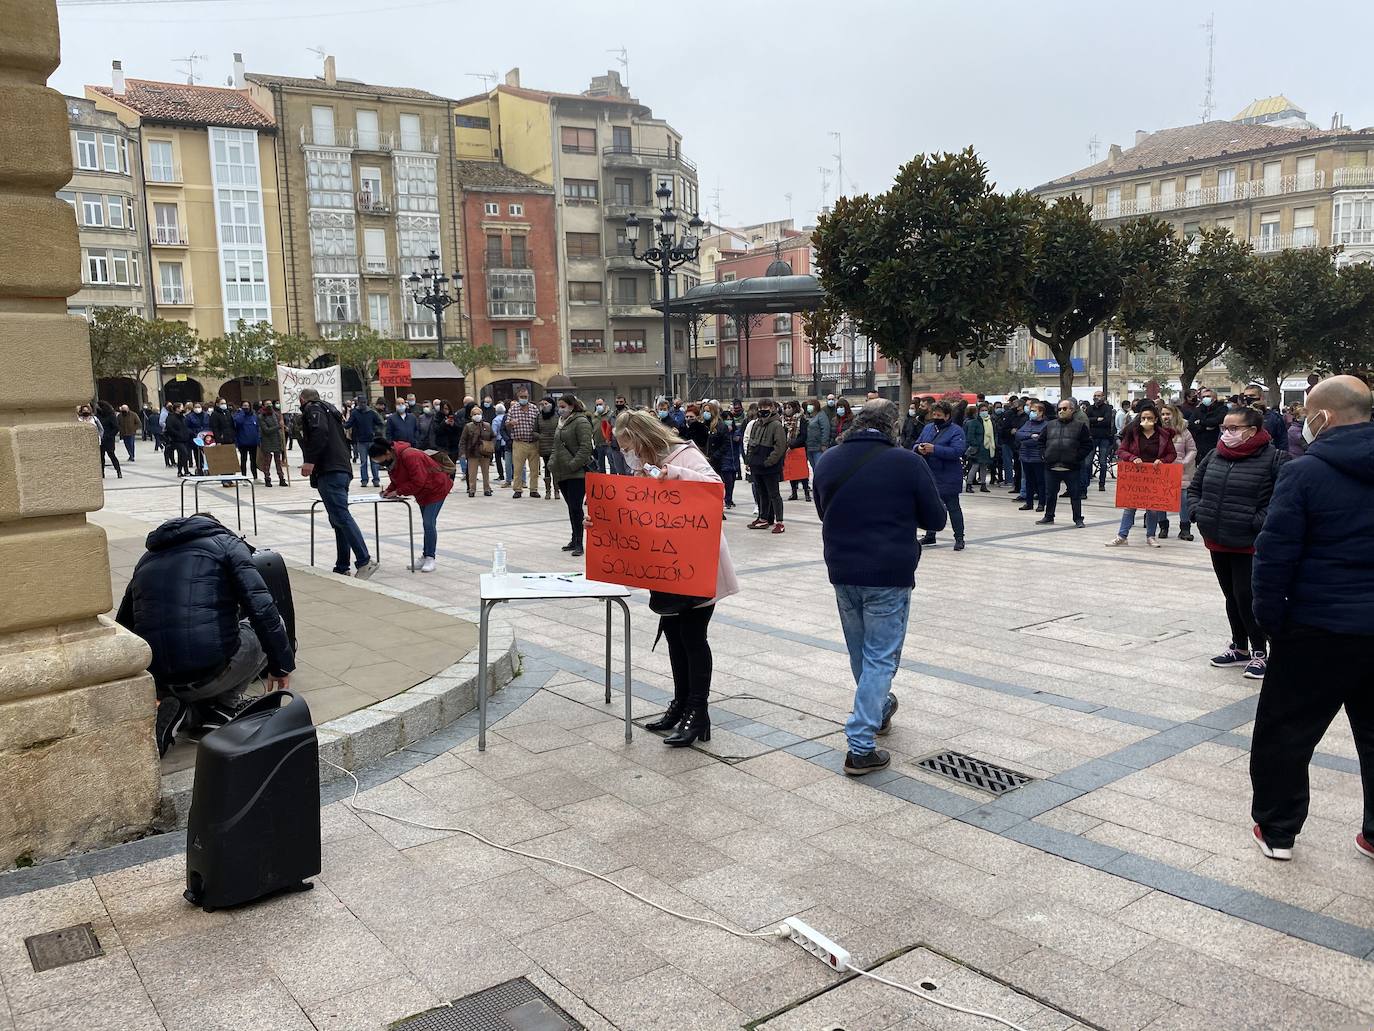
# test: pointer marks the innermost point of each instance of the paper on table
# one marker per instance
(364, 499)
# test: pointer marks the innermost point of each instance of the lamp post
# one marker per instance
(428, 288)
(664, 255)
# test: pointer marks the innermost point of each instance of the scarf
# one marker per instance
(1245, 448)
(988, 442)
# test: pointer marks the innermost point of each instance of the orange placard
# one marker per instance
(393, 372)
(663, 535)
(1156, 487)
(794, 466)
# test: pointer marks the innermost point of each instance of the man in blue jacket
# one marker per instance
(941, 443)
(873, 497)
(401, 425)
(1314, 598)
(364, 424)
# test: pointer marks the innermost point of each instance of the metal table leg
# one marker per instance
(313, 505)
(253, 493)
(410, 519)
(483, 625)
(608, 651)
(629, 694)
(377, 529)
(238, 505)
(183, 498)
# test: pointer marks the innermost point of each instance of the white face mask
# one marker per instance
(632, 460)
(476, 416)
(1308, 433)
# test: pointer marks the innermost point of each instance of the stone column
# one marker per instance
(78, 767)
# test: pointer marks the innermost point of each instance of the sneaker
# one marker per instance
(569, 546)
(171, 716)
(427, 566)
(1185, 537)
(1232, 656)
(889, 710)
(516, 494)
(216, 713)
(958, 544)
(779, 528)
(366, 570)
(1271, 851)
(1117, 542)
(1153, 543)
(534, 494)
(1079, 523)
(869, 762)
(927, 540)
(759, 524)
(1254, 669)
(1364, 847)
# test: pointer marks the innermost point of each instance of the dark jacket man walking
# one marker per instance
(330, 468)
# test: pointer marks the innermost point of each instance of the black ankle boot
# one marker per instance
(696, 724)
(671, 718)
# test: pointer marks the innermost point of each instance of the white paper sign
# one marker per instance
(290, 383)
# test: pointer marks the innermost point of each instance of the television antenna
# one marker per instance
(622, 59)
(190, 62)
(788, 198)
(488, 79)
(1094, 147)
(825, 185)
(319, 52)
(1209, 101)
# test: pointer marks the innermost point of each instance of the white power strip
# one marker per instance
(816, 943)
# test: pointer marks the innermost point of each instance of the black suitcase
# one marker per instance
(273, 569)
(254, 826)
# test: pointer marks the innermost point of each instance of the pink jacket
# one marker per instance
(688, 463)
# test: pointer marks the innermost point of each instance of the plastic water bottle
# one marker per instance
(498, 561)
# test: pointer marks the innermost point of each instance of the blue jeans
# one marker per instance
(874, 620)
(333, 488)
(603, 458)
(1008, 463)
(429, 518)
(364, 462)
(1128, 517)
(1106, 447)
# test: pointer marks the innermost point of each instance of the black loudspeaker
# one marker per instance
(273, 571)
(254, 826)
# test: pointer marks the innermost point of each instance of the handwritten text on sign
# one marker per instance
(1155, 487)
(663, 535)
(393, 372)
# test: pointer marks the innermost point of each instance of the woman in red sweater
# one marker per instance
(1143, 440)
(412, 472)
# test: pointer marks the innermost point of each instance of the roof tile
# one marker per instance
(185, 104)
(343, 86)
(490, 175)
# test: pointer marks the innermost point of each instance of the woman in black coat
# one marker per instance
(109, 433)
(1229, 497)
(178, 439)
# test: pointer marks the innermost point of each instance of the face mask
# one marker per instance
(221, 407)
(1034, 416)
(911, 412)
(706, 416)
(196, 410)
(632, 460)
(1308, 433)
(1232, 437)
(765, 413)
(600, 409)
(524, 401)
(1207, 402)
(1146, 426)
(400, 409)
(810, 409)
(663, 413)
(562, 413)
(830, 401)
(938, 422)
(476, 416)
(727, 422)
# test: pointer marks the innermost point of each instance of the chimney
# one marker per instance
(1140, 135)
(330, 77)
(238, 72)
(513, 77)
(1113, 155)
(117, 76)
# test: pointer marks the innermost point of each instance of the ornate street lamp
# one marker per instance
(428, 288)
(665, 254)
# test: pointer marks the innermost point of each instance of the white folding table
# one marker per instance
(493, 590)
(236, 479)
(376, 501)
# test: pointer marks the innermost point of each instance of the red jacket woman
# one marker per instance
(415, 474)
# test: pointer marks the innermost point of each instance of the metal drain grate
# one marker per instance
(985, 776)
(62, 947)
(515, 1005)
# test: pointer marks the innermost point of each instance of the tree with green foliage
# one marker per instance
(935, 264)
(820, 328)
(1350, 347)
(124, 344)
(360, 347)
(252, 353)
(470, 357)
(1080, 273)
(1199, 302)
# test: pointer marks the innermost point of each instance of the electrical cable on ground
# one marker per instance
(780, 932)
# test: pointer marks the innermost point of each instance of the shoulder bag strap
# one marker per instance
(849, 473)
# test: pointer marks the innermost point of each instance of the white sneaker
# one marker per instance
(366, 570)
(1153, 543)
(427, 566)
(1117, 542)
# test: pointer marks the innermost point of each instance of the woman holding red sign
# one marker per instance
(1144, 440)
(653, 449)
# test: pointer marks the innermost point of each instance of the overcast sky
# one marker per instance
(756, 87)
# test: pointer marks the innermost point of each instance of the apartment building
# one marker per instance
(1267, 177)
(511, 283)
(105, 195)
(366, 177)
(605, 155)
(209, 198)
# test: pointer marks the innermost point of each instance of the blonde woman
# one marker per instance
(653, 448)
(1171, 418)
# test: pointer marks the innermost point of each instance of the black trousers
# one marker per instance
(1296, 707)
(248, 456)
(690, 654)
(1233, 573)
(770, 496)
(574, 490)
(107, 450)
(1073, 480)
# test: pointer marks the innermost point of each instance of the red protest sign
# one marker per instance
(393, 372)
(663, 535)
(1156, 487)
(794, 466)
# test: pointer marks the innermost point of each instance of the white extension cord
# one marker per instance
(781, 932)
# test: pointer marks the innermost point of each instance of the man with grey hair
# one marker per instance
(873, 497)
(330, 468)
(1314, 598)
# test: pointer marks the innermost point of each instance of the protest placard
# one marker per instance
(393, 372)
(663, 535)
(1155, 487)
(794, 466)
(291, 381)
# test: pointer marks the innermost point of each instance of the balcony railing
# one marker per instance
(420, 330)
(1270, 243)
(518, 358)
(1354, 176)
(168, 236)
(374, 140)
(502, 263)
(1211, 195)
(333, 329)
(418, 143)
(370, 203)
(378, 267)
(174, 296)
(382, 327)
(782, 369)
(163, 173)
(331, 137)
(334, 264)
(510, 309)
(650, 154)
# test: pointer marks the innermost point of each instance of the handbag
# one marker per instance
(664, 603)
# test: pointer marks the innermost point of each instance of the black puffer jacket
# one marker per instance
(1066, 443)
(185, 600)
(322, 440)
(1230, 497)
